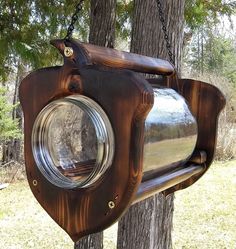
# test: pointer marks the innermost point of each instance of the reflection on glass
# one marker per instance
(73, 142)
(170, 132)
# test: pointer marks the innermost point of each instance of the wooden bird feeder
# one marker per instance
(99, 136)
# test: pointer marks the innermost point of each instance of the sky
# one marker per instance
(226, 27)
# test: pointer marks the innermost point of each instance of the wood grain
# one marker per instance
(166, 181)
(127, 98)
(206, 102)
(113, 58)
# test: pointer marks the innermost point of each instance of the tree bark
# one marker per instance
(12, 149)
(102, 33)
(148, 224)
(147, 35)
(102, 22)
(94, 241)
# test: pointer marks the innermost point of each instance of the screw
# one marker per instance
(35, 183)
(111, 204)
(68, 51)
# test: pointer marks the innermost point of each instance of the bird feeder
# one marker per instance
(100, 136)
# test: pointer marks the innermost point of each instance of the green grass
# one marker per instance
(157, 154)
(25, 225)
(204, 216)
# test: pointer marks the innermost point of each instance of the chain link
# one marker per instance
(162, 19)
(166, 36)
(74, 20)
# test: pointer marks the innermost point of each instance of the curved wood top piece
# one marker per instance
(119, 59)
(85, 53)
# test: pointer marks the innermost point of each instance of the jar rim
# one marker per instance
(104, 136)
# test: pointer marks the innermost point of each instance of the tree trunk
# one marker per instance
(147, 35)
(148, 224)
(102, 33)
(12, 150)
(94, 241)
(102, 22)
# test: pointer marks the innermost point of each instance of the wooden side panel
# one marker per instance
(206, 102)
(126, 98)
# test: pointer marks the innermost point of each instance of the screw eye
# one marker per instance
(35, 183)
(68, 51)
(111, 204)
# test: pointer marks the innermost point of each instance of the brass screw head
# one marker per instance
(68, 51)
(111, 204)
(35, 183)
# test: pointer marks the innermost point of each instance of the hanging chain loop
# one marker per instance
(166, 36)
(162, 19)
(74, 20)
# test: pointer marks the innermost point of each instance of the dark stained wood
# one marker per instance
(113, 58)
(206, 102)
(155, 214)
(102, 14)
(121, 94)
(198, 157)
(166, 181)
(127, 98)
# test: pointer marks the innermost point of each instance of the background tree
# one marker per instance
(27, 26)
(8, 126)
(12, 148)
(201, 12)
(149, 224)
(102, 33)
(212, 52)
(210, 56)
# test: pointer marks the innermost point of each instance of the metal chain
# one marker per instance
(162, 19)
(74, 20)
(166, 36)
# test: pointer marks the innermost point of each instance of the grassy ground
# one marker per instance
(157, 154)
(204, 216)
